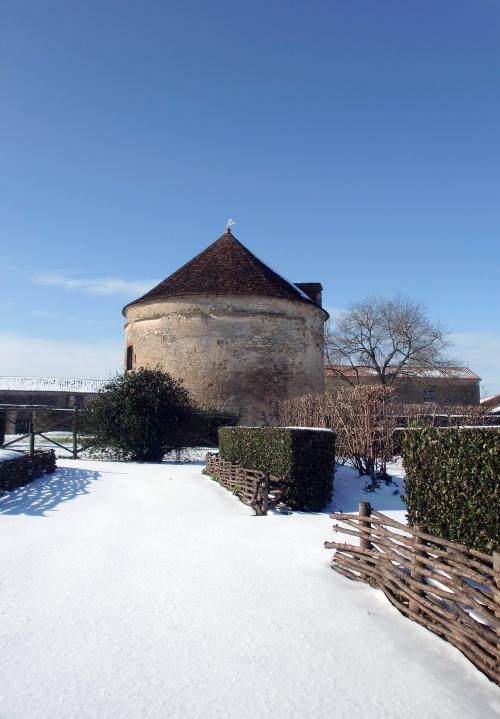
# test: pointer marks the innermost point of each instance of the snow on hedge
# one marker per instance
(149, 591)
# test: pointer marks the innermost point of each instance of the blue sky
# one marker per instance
(355, 143)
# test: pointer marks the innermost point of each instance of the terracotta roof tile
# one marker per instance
(226, 267)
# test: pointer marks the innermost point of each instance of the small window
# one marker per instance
(130, 357)
(429, 394)
(22, 423)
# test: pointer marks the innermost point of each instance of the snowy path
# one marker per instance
(134, 591)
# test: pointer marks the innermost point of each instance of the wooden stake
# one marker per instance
(496, 570)
(75, 428)
(415, 565)
(365, 510)
(265, 494)
(32, 437)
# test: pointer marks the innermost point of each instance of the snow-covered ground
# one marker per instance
(6, 455)
(133, 590)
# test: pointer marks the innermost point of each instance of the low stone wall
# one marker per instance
(16, 472)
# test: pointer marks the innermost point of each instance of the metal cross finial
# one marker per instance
(230, 223)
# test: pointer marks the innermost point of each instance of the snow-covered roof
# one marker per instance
(51, 384)
(492, 403)
(445, 373)
(425, 373)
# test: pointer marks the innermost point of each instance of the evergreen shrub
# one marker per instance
(140, 416)
(306, 457)
(453, 483)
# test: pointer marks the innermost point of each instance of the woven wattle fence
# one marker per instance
(448, 588)
(17, 472)
(253, 487)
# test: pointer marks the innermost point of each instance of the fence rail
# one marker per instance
(448, 588)
(253, 487)
(45, 412)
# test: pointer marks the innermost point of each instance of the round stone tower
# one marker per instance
(236, 333)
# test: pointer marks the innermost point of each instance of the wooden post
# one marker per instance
(417, 566)
(496, 572)
(32, 437)
(265, 494)
(364, 510)
(75, 430)
(3, 425)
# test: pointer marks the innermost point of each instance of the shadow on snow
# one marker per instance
(350, 489)
(48, 491)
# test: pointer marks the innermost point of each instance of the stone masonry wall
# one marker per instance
(238, 354)
(449, 390)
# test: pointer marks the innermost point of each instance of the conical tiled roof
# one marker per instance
(226, 267)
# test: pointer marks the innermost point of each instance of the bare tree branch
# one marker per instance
(393, 338)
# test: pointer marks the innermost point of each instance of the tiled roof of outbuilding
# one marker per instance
(226, 267)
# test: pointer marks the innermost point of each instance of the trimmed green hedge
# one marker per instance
(453, 483)
(305, 456)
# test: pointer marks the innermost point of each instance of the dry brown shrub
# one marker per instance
(361, 418)
(435, 415)
(365, 417)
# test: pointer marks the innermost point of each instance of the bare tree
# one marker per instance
(392, 337)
